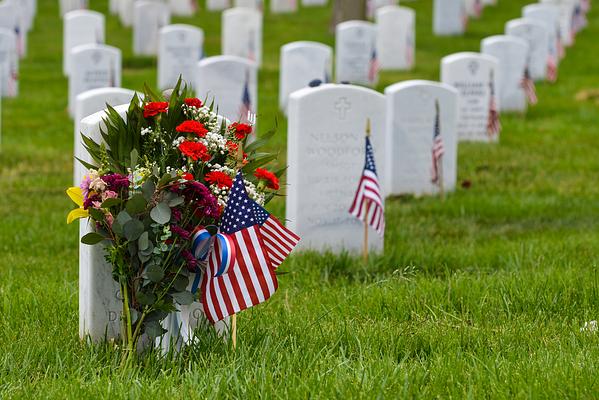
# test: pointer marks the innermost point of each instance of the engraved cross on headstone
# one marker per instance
(342, 106)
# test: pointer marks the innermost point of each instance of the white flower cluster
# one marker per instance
(145, 131)
(215, 142)
(178, 141)
(254, 193)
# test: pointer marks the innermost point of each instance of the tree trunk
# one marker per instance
(345, 10)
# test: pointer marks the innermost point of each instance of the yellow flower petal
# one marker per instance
(76, 214)
(76, 195)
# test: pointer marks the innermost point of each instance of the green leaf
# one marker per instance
(136, 204)
(154, 329)
(161, 214)
(133, 229)
(154, 273)
(111, 203)
(147, 189)
(184, 298)
(180, 283)
(146, 299)
(176, 201)
(143, 241)
(134, 158)
(123, 217)
(96, 214)
(92, 238)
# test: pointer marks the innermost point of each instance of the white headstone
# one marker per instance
(535, 34)
(184, 8)
(86, 104)
(356, 60)
(473, 8)
(126, 12)
(449, 17)
(373, 5)
(100, 301)
(81, 27)
(113, 7)
(72, 5)
(180, 49)
(314, 3)
(547, 14)
(490, 2)
(325, 154)
(511, 53)
(148, 18)
(473, 75)
(10, 18)
(242, 33)
(301, 63)
(283, 6)
(217, 5)
(396, 37)
(411, 115)
(566, 13)
(255, 4)
(94, 66)
(231, 82)
(9, 64)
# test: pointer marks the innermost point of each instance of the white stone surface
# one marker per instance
(126, 12)
(536, 35)
(566, 13)
(283, 6)
(225, 79)
(9, 64)
(301, 63)
(217, 5)
(10, 18)
(511, 53)
(81, 27)
(183, 8)
(396, 37)
(473, 7)
(94, 66)
(325, 154)
(314, 3)
(113, 7)
(356, 60)
(548, 15)
(449, 17)
(180, 48)
(86, 104)
(242, 33)
(373, 5)
(255, 4)
(148, 18)
(472, 75)
(411, 115)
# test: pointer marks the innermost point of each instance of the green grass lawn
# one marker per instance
(481, 296)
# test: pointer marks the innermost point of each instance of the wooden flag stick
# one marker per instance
(365, 247)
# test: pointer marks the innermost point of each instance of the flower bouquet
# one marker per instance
(167, 189)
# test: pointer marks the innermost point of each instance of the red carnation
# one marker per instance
(271, 179)
(187, 176)
(240, 130)
(155, 108)
(219, 178)
(192, 127)
(195, 150)
(232, 146)
(193, 102)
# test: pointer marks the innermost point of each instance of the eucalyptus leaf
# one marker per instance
(133, 229)
(180, 283)
(154, 329)
(111, 203)
(136, 204)
(134, 157)
(143, 241)
(146, 299)
(123, 217)
(176, 201)
(161, 214)
(147, 189)
(184, 298)
(92, 238)
(154, 273)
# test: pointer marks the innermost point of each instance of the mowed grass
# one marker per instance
(481, 296)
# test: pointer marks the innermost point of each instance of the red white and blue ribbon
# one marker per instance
(216, 248)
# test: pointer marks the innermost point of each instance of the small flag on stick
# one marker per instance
(529, 87)
(493, 124)
(437, 150)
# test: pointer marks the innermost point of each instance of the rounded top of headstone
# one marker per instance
(333, 87)
(354, 23)
(103, 92)
(97, 47)
(226, 59)
(465, 55)
(83, 13)
(394, 9)
(503, 40)
(305, 43)
(243, 11)
(524, 21)
(419, 83)
(180, 27)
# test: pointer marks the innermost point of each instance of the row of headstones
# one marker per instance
(450, 17)
(16, 20)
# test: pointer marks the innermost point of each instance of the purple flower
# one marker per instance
(116, 182)
(182, 233)
(192, 263)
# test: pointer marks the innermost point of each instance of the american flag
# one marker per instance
(368, 196)
(20, 44)
(529, 87)
(551, 68)
(246, 100)
(437, 149)
(464, 16)
(251, 46)
(373, 66)
(261, 244)
(493, 124)
(561, 50)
